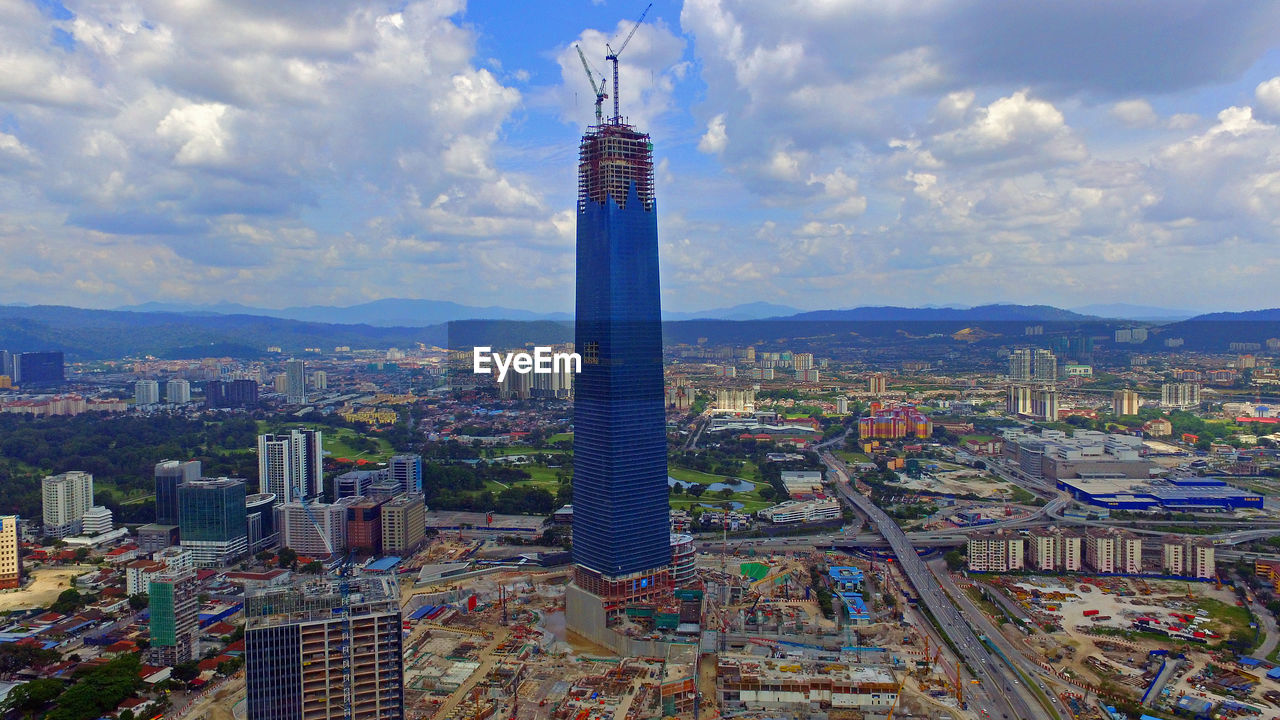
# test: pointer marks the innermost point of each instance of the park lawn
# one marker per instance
(338, 448)
(560, 437)
(853, 457)
(684, 502)
(541, 476)
(693, 476)
(1232, 616)
(526, 450)
(335, 440)
(977, 438)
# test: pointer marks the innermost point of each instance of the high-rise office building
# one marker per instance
(320, 380)
(295, 373)
(67, 497)
(621, 532)
(291, 463)
(39, 368)
(146, 392)
(212, 521)
(174, 605)
(10, 554)
(364, 525)
(326, 649)
(169, 475)
(404, 523)
(177, 391)
(97, 520)
(1125, 402)
(259, 509)
(6, 364)
(406, 470)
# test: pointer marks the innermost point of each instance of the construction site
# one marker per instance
(801, 634)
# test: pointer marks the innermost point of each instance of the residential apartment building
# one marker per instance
(290, 464)
(319, 651)
(66, 498)
(177, 391)
(996, 552)
(1125, 402)
(1180, 395)
(317, 530)
(1111, 550)
(146, 392)
(1187, 557)
(10, 553)
(1055, 549)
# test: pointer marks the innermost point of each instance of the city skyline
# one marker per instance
(228, 153)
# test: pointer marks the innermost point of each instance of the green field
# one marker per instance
(336, 441)
(560, 437)
(852, 457)
(750, 500)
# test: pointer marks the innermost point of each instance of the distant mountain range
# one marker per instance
(167, 330)
(1141, 313)
(396, 312)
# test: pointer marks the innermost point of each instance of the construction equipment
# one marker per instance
(897, 697)
(597, 88)
(612, 56)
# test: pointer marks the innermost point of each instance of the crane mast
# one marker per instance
(612, 57)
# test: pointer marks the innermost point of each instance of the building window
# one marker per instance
(591, 353)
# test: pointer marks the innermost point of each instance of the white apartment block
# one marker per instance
(1055, 549)
(996, 552)
(1109, 550)
(1188, 558)
(317, 539)
(66, 499)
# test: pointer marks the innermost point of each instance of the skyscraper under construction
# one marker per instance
(621, 539)
(325, 649)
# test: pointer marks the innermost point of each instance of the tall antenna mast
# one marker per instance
(612, 56)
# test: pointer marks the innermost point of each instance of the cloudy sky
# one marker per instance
(819, 153)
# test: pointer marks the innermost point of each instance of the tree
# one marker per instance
(264, 555)
(315, 567)
(68, 601)
(954, 559)
(186, 671)
(287, 558)
(28, 698)
(138, 601)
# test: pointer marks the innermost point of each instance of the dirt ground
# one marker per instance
(43, 589)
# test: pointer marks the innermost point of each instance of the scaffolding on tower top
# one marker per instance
(611, 159)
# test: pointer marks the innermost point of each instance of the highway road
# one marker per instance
(1000, 694)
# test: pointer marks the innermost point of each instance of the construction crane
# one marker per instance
(612, 56)
(597, 88)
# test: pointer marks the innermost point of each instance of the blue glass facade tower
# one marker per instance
(621, 516)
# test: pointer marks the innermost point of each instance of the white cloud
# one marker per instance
(716, 138)
(1135, 113)
(1268, 98)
